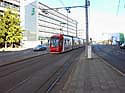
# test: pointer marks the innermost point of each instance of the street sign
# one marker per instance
(33, 11)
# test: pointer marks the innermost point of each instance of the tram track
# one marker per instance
(27, 79)
(22, 64)
(31, 68)
(27, 70)
(59, 73)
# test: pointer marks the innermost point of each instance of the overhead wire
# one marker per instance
(124, 3)
(62, 2)
(118, 8)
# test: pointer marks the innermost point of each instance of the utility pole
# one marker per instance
(87, 3)
(22, 18)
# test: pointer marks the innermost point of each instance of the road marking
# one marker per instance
(117, 70)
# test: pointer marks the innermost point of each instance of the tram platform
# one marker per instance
(94, 76)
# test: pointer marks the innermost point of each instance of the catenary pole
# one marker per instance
(86, 17)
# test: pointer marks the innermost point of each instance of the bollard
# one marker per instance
(89, 51)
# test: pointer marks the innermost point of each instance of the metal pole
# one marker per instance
(86, 16)
(67, 22)
(76, 28)
(22, 19)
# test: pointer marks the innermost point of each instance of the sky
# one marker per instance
(104, 16)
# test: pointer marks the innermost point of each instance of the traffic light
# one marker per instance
(90, 39)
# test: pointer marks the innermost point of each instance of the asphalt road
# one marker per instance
(28, 76)
(113, 55)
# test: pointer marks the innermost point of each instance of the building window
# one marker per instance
(2, 4)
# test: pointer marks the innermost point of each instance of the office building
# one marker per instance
(9, 3)
(41, 22)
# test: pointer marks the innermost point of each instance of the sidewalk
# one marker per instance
(11, 49)
(14, 57)
(94, 76)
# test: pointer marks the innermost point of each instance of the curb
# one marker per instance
(19, 60)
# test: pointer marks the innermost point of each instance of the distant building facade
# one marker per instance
(112, 38)
(118, 38)
(9, 3)
(41, 22)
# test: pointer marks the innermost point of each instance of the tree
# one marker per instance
(10, 29)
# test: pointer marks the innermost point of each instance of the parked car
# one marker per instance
(39, 48)
(122, 46)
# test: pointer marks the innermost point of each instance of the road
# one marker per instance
(29, 76)
(113, 55)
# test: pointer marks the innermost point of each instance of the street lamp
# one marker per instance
(76, 28)
(62, 24)
(68, 11)
(45, 11)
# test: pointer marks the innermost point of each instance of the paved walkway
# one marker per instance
(94, 76)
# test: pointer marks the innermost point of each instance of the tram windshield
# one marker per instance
(54, 42)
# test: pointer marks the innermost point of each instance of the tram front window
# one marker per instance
(54, 42)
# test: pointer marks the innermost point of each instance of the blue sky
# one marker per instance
(108, 6)
(60, 3)
(96, 5)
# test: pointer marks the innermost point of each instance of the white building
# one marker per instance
(118, 38)
(41, 22)
(9, 3)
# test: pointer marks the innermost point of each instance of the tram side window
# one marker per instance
(65, 42)
(61, 43)
(69, 43)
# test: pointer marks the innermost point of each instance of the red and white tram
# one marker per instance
(60, 43)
